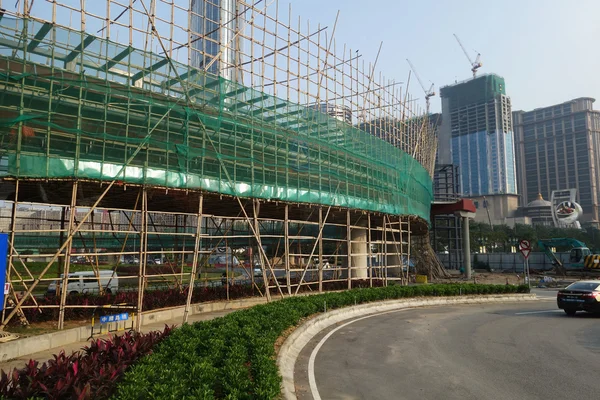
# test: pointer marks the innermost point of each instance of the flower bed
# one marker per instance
(88, 374)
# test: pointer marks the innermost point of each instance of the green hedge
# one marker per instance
(233, 357)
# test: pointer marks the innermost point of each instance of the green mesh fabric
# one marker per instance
(473, 91)
(78, 106)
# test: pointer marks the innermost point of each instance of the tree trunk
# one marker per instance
(427, 262)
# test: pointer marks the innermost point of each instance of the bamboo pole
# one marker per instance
(65, 279)
(320, 241)
(142, 258)
(286, 228)
(349, 247)
(263, 258)
(370, 263)
(197, 247)
(13, 223)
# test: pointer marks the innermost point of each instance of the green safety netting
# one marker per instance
(473, 91)
(78, 106)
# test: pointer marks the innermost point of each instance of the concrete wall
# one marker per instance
(34, 344)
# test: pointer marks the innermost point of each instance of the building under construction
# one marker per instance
(133, 135)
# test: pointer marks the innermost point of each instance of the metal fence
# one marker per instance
(509, 261)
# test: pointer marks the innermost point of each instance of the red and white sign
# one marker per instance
(525, 248)
(6, 288)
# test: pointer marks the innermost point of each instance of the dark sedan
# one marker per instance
(580, 296)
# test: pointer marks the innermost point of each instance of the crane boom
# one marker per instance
(417, 75)
(428, 93)
(474, 65)
(463, 49)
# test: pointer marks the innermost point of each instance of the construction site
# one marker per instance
(143, 137)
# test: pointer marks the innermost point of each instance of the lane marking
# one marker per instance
(538, 312)
(312, 382)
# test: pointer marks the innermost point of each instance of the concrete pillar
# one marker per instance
(466, 247)
(466, 241)
(394, 261)
(360, 251)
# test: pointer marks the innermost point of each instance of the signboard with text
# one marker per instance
(105, 319)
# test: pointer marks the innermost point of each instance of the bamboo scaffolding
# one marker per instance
(299, 64)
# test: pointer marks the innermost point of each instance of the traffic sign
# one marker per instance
(525, 248)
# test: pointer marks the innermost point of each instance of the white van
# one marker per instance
(87, 282)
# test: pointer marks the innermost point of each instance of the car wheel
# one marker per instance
(107, 291)
(73, 293)
(570, 312)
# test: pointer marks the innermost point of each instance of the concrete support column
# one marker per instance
(360, 251)
(394, 260)
(465, 215)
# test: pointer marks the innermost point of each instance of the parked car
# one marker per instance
(87, 282)
(580, 296)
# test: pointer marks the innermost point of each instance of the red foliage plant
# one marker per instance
(90, 373)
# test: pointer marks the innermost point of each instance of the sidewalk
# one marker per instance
(68, 349)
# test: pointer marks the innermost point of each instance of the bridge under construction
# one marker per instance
(130, 131)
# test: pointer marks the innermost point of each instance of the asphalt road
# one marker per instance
(519, 351)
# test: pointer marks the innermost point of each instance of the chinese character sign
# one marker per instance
(105, 319)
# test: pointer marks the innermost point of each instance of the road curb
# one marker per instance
(293, 345)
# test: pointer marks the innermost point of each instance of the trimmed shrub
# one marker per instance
(233, 357)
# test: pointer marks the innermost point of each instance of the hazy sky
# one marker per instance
(547, 50)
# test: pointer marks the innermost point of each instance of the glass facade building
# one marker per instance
(477, 136)
(213, 28)
(558, 148)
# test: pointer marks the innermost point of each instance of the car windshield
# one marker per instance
(583, 286)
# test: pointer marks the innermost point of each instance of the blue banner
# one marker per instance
(3, 259)
(105, 319)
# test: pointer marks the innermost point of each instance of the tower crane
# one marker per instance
(474, 65)
(428, 93)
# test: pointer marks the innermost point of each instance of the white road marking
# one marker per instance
(537, 312)
(311, 361)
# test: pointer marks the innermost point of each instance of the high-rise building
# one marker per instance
(558, 148)
(214, 25)
(337, 111)
(476, 135)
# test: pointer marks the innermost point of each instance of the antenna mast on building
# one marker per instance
(428, 93)
(474, 65)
